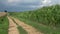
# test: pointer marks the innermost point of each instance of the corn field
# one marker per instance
(47, 15)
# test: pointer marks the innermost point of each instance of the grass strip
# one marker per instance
(21, 30)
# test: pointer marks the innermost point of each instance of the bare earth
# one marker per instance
(2, 14)
(28, 28)
(12, 27)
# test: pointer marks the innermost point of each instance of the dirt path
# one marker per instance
(12, 27)
(28, 28)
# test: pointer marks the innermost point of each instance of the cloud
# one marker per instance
(11, 1)
(23, 3)
(46, 2)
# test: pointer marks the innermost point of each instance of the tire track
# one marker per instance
(12, 27)
(28, 28)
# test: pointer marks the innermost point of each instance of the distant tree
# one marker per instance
(5, 11)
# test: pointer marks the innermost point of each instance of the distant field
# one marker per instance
(2, 14)
(4, 25)
(49, 17)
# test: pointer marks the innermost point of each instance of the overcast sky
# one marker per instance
(21, 5)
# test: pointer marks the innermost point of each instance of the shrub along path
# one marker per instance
(28, 28)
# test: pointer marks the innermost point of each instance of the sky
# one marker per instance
(24, 5)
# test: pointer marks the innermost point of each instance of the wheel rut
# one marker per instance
(28, 28)
(12, 27)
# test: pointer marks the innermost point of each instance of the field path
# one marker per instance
(28, 28)
(12, 27)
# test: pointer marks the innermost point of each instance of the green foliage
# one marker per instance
(46, 15)
(4, 25)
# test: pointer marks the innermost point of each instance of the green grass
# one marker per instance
(4, 25)
(21, 30)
